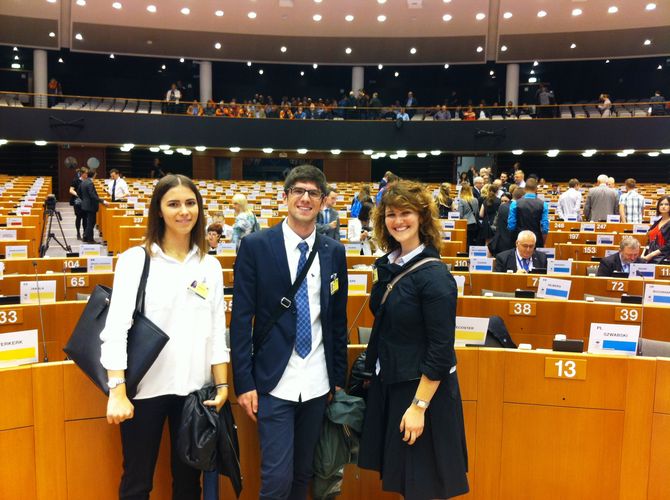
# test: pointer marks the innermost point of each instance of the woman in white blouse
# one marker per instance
(184, 297)
(359, 229)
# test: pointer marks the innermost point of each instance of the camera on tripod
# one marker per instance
(50, 203)
(47, 221)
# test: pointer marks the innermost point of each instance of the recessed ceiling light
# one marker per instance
(480, 16)
(217, 45)
(396, 74)
(507, 15)
(186, 11)
(181, 59)
(447, 17)
(267, 151)
(163, 66)
(532, 79)
(81, 3)
(607, 61)
(650, 6)
(249, 64)
(152, 8)
(381, 18)
(51, 1)
(349, 18)
(647, 42)
(16, 66)
(517, 152)
(218, 13)
(422, 155)
(532, 71)
(78, 36)
(318, 1)
(553, 153)
(659, 67)
(235, 149)
(368, 152)
(446, 66)
(573, 45)
(613, 9)
(503, 48)
(380, 66)
(336, 151)
(40, 143)
(317, 17)
(168, 152)
(16, 58)
(200, 148)
(111, 56)
(302, 73)
(315, 65)
(446, 1)
(665, 151)
(653, 154)
(589, 153)
(381, 1)
(491, 73)
(251, 15)
(302, 151)
(283, 48)
(577, 12)
(535, 63)
(347, 50)
(542, 13)
(52, 34)
(117, 5)
(60, 60)
(154, 149)
(480, 48)
(260, 71)
(629, 151)
(436, 152)
(412, 50)
(164, 147)
(381, 155)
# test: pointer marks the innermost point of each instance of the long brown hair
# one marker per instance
(413, 196)
(156, 225)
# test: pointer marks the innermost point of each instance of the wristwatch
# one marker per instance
(420, 403)
(115, 382)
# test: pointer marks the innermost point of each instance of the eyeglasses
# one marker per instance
(314, 194)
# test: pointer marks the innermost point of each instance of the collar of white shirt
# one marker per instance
(158, 252)
(292, 240)
(395, 258)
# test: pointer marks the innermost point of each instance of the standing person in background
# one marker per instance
(75, 201)
(118, 188)
(362, 196)
(570, 202)
(502, 239)
(631, 204)
(245, 220)
(605, 106)
(286, 364)
(444, 201)
(657, 107)
(519, 177)
(658, 249)
(413, 432)
(389, 178)
(468, 208)
(156, 171)
(487, 213)
(544, 98)
(529, 214)
(194, 319)
(328, 220)
(172, 98)
(90, 201)
(601, 201)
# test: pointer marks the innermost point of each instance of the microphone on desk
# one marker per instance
(39, 307)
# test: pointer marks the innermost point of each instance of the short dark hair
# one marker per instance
(531, 184)
(332, 189)
(630, 183)
(573, 182)
(114, 171)
(156, 225)
(215, 227)
(306, 173)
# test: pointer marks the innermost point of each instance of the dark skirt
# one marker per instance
(435, 466)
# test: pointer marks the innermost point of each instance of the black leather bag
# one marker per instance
(145, 339)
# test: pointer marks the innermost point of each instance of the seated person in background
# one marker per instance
(442, 114)
(195, 109)
(210, 110)
(510, 110)
(359, 229)
(214, 232)
(402, 115)
(629, 253)
(300, 114)
(522, 259)
(286, 113)
(469, 114)
(658, 249)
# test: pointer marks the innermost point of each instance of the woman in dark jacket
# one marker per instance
(413, 431)
(502, 239)
(658, 249)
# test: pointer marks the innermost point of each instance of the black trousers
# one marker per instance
(89, 224)
(140, 440)
(79, 218)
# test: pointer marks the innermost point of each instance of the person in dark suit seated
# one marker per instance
(522, 259)
(629, 253)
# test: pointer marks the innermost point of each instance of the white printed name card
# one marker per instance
(555, 266)
(18, 348)
(36, 292)
(229, 212)
(352, 248)
(266, 212)
(471, 330)
(448, 224)
(479, 251)
(549, 252)
(658, 295)
(14, 221)
(266, 202)
(99, 264)
(446, 235)
(225, 249)
(358, 284)
(640, 228)
(571, 218)
(453, 215)
(90, 250)
(605, 239)
(552, 288)
(16, 252)
(606, 338)
(481, 264)
(642, 270)
(610, 252)
(131, 200)
(588, 226)
(7, 234)
(613, 218)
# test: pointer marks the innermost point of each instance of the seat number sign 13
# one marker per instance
(565, 368)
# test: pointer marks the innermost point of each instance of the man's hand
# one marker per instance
(333, 224)
(249, 402)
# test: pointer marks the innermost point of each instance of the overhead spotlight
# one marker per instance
(251, 15)
(368, 152)
(317, 17)
(267, 151)
(111, 56)
(577, 12)
(260, 71)
(127, 147)
(396, 74)
(422, 155)
(302, 151)
(235, 149)
(665, 151)
(283, 48)
(503, 48)
(535, 63)
(164, 147)
(249, 64)
(517, 152)
(573, 45)
(380, 66)
(186, 152)
(447, 17)
(532, 79)
(607, 61)
(382, 154)
(60, 60)
(412, 50)
(40, 143)
(217, 45)
(629, 151)
(302, 73)
(589, 153)
(154, 149)
(650, 6)
(163, 66)
(480, 16)
(335, 151)
(375, 156)
(15, 49)
(393, 156)
(81, 3)
(653, 154)
(186, 11)
(659, 66)
(621, 154)
(446, 66)
(218, 13)
(16, 58)
(507, 15)
(381, 18)
(613, 10)
(381, 2)
(532, 71)
(3, 142)
(79, 36)
(436, 152)
(52, 34)
(168, 152)
(348, 18)
(200, 148)
(315, 65)
(347, 50)
(152, 8)
(542, 13)
(647, 42)
(480, 49)
(401, 153)
(491, 73)
(117, 5)
(553, 153)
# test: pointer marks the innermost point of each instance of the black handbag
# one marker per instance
(145, 339)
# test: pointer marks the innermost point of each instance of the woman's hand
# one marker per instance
(119, 408)
(219, 400)
(412, 424)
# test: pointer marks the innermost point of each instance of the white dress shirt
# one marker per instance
(354, 229)
(196, 326)
(305, 378)
(569, 203)
(121, 190)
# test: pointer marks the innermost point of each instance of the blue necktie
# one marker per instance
(526, 264)
(303, 331)
(325, 217)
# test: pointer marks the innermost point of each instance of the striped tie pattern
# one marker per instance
(303, 335)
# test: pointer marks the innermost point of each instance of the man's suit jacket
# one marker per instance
(612, 263)
(322, 228)
(506, 261)
(262, 278)
(89, 196)
(601, 202)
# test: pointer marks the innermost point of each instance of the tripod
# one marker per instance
(44, 245)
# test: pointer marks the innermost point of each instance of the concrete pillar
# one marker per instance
(512, 84)
(205, 81)
(40, 76)
(357, 78)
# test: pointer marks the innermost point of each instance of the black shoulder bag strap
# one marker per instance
(287, 300)
(141, 289)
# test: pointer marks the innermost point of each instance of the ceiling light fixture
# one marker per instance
(186, 11)
(381, 155)
(503, 48)
(152, 9)
(60, 60)
(3, 142)
(260, 71)
(393, 156)
(181, 59)
(79, 36)
(315, 65)
(659, 67)
(532, 79)
(200, 148)
(267, 151)
(589, 153)
(446, 66)
(154, 149)
(302, 151)
(117, 5)
(517, 152)
(422, 155)
(491, 73)
(81, 3)
(650, 6)
(447, 17)
(653, 154)
(283, 48)
(251, 15)
(40, 143)
(607, 61)
(396, 74)
(348, 18)
(164, 147)
(163, 66)
(347, 50)
(436, 152)
(381, 2)
(480, 16)
(480, 49)
(217, 45)
(381, 18)
(573, 45)
(665, 151)
(249, 64)
(542, 13)
(412, 50)
(16, 66)
(317, 17)
(168, 152)
(613, 9)
(51, 1)
(218, 13)
(629, 151)
(647, 42)
(302, 73)
(368, 152)
(553, 153)
(535, 63)
(52, 34)
(507, 15)
(380, 66)
(111, 56)
(577, 12)
(336, 151)
(235, 149)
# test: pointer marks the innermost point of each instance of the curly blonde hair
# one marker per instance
(413, 196)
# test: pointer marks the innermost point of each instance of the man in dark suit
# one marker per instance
(629, 253)
(529, 213)
(90, 201)
(522, 259)
(328, 220)
(286, 380)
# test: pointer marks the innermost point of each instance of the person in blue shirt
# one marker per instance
(529, 213)
(390, 178)
(362, 196)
